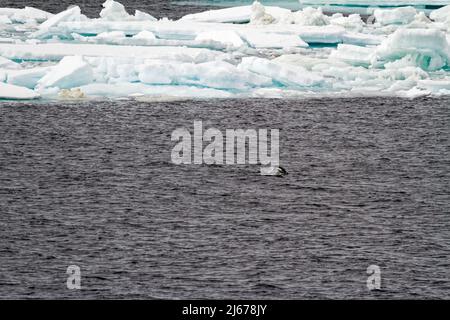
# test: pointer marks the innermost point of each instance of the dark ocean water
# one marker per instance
(92, 184)
(159, 8)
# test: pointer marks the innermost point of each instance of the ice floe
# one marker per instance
(402, 15)
(115, 11)
(27, 14)
(71, 71)
(246, 51)
(8, 64)
(240, 14)
(12, 92)
(27, 77)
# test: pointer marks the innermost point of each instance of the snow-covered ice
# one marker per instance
(57, 51)
(9, 91)
(71, 71)
(402, 15)
(289, 75)
(8, 64)
(429, 47)
(115, 11)
(27, 14)
(245, 51)
(27, 77)
(239, 14)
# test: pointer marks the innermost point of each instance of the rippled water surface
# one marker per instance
(92, 184)
(159, 8)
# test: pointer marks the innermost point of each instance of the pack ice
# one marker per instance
(240, 52)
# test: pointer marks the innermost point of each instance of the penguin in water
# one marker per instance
(273, 171)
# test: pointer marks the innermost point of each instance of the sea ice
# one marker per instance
(217, 74)
(259, 15)
(71, 14)
(5, 20)
(57, 51)
(145, 35)
(272, 40)
(441, 15)
(24, 15)
(27, 77)
(285, 74)
(402, 15)
(115, 11)
(375, 3)
(310, 17)
(353, 22)
(8, 64)
(246, 51)
(354, 55)
(429, 48)
(226, 37)
(143, 91)
(240, 14)
(12, 92)
(434, 85)
(143, 16)
(72, 71)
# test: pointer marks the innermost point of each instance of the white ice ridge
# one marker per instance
(246, 51)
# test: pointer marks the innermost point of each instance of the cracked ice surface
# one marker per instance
(246, 51)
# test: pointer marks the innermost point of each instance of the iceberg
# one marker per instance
(12, 92)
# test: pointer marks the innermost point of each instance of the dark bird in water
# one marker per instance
(273, 171)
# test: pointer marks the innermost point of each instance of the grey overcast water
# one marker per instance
(92, 184)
